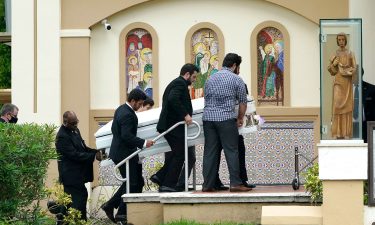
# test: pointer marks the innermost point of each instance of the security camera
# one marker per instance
(107, 26)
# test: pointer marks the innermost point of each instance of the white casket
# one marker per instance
(147, 121)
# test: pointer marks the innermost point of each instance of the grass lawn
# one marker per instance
(189, 222)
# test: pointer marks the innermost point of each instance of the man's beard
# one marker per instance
(236, 70)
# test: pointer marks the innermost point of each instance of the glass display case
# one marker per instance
(341, 78)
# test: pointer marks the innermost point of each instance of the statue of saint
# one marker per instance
(343, 67)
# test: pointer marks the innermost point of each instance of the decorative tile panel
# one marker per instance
(270, 155)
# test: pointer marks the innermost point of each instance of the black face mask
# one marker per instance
(13, 120)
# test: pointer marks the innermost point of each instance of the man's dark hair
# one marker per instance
(148, 101)
(8, 108)
(188, 67)
(230, 59)
(136, 94)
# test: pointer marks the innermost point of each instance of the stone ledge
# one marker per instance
(343, 160)
(219, 197)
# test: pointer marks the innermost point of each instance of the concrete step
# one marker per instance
(291, 215)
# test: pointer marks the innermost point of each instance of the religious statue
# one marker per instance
(342, 65)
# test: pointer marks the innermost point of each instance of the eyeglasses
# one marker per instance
(12, 115)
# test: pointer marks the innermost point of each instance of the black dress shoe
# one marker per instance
(209, 190)
(167, 189)
(155, 179)
(108, 211)
(178, 188)
(222, 188)
(249, 185)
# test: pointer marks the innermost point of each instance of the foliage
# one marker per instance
(74, 218)
(25, 151)
(313, 184)
(365, 192)
(5, 66)
(5, 53)
(2, 16)
(57, 194)
(39, 218)
(190, 222)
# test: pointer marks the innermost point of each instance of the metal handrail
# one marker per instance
(126, 160)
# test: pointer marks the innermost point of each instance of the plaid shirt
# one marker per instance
(221, 92)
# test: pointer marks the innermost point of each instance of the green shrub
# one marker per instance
(313, 184)
(57, 194)
(5, 66)
(365, 192)
(25, 151)
(2, 16)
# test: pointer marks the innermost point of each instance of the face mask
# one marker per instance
(13, 120)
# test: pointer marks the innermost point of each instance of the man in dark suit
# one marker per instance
(75, 163)
(176, 108)
(124, 143)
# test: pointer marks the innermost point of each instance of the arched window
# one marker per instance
(271, 85)
(205, 51)
(270, 63)
(139, 61)
(138, 67)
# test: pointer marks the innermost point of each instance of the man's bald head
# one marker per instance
(70, 120)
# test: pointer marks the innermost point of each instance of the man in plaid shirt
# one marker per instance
(220, 123)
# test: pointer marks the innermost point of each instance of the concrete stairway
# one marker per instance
(291, 215)
(156, 208)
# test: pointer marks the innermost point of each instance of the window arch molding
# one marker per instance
(254, 65)
(204, 25)
(155, 60)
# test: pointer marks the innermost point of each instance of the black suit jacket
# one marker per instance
(176, 105)
(124, 130)
(75, 163)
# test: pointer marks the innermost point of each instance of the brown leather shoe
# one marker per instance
(240, 188)
(208, 190)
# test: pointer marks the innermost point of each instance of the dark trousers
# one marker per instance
(218, 135)
(136, 185)
(242, 164)
(167, 159)
(79, 198)
(241, 157)
(173, 162)
(191, 164)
